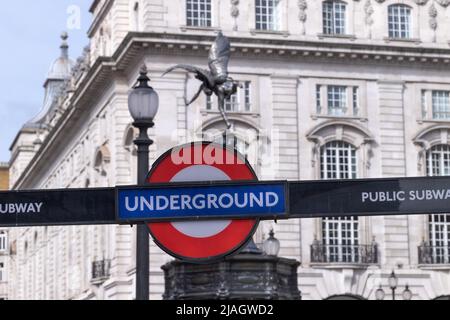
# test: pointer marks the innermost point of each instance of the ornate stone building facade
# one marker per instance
(330, 90)
(4, 247)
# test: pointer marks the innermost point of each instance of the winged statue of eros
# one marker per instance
(215, 80)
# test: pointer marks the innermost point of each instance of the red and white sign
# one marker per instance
(202, 241)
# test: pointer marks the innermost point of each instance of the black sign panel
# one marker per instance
(309, 199)
(57, 207)
(397, 196)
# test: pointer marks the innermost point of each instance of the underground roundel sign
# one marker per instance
(202, 241)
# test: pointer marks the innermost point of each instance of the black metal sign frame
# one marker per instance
(304, 199)
(57, 207)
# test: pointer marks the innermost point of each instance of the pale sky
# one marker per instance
(30, 39)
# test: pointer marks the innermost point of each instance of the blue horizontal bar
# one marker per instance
(221, 201)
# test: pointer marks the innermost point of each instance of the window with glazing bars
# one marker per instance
(2, 277)
(337, 100)
(439, 224)
(247, 96)
(441, 104)
(355, 96)
(399, 21)
(341, 239)
(209, 103)
(424, 103)
(439, 160)
(333, 17)
(440, 237)
(340, 235)
(198, 13)
(233, 104)
(318, 99)
(3, 241)
(267, 15)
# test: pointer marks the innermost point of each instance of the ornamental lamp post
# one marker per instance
(143, 104)
(379, 294)
(407, 294)
(393, 282)
(272, 245)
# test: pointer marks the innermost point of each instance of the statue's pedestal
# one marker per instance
(246, 276)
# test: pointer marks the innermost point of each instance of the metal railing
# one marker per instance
(352, 254)
(100, 271)
(429, 254)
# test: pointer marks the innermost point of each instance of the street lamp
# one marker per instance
(393, 283)
(272, 245)
(379, 294)
(143, 103)
(407, 294)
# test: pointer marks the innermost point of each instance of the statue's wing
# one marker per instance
(201, 74)
(219, 56)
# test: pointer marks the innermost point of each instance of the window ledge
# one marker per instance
(186, 28)
(337, 36)
(274, 32)
(238, 113)
(332, 265)
(322, 116)
(420, 121)
(404, 40)
(441, 266)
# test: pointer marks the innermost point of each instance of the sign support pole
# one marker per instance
(143, 143)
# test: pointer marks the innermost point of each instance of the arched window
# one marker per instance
(102, 160)
(198, 13)
(334, 17)
(233, 141)
(438, 164)
(442, 298)
(345, 297)
(399, 21)
(338, 161)
(242, 136)
(268, 15)
(340, 235)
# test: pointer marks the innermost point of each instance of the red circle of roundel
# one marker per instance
(227, 241)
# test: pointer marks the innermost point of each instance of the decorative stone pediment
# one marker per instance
(340, 130)
(429, 137)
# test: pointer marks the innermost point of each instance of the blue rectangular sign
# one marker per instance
(193, 202)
